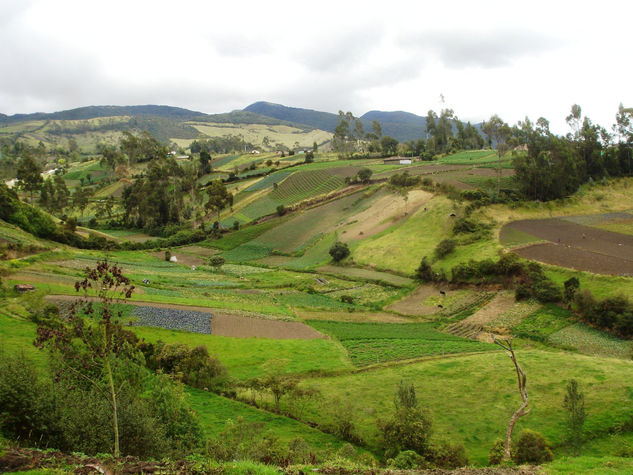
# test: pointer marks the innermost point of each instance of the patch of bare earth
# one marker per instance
(383, 213)
(577, 246)
(413, 304)
(226, 324)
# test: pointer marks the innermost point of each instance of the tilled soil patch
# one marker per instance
(577, 246)
(578, 259)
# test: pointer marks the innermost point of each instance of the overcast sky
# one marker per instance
(533, 58)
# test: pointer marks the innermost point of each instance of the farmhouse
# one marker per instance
(397, 160)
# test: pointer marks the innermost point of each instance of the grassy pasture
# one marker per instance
(255, 133)
(411, 244)
(214, 411)
(247, 358)
(472, 397)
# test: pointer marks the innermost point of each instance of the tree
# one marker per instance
(498, 132)
(409, 428)
(389, 146)
(81, 199)
(506, 344)
(93, 352)
(309, 157)
(574, 404)
(376, 129)
(364, 175)
(219, 197)
(216, 262)
(29, 176)
(205, 162)
(339, 251)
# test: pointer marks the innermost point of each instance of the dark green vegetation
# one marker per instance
(305, 355)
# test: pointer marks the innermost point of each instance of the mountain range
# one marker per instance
(398, 124)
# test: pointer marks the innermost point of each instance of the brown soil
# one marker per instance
(577, 246)
(413, 304)
(225, 323)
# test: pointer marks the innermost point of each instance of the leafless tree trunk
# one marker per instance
(506, 344)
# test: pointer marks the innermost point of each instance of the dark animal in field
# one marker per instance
(442, 292)
(440, 305)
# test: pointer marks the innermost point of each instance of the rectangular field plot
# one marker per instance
(370, 343)
(590, 341)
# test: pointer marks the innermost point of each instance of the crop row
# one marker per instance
(269, 181)
(358, 331)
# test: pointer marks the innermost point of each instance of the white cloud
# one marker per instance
(486, 57)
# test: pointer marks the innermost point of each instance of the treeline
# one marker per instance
(555, 167)
(225, 144)
(444, 133)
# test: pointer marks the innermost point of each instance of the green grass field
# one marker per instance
(471, 398)
(249, 357)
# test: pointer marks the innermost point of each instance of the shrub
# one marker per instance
(497, 451)
(408, 429)
(532, 448)
(339, 251)
(347, 299)
(571, 285)
(281, 210)
(522, 292)
(407, 460)
(364, 175)
(445, 247)
(447, 455)
(547, 291)
(217, 261)
(167, 255)
(425, 272)
(236, 225)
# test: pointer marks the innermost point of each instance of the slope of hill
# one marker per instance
(91, 112)
(320, 120)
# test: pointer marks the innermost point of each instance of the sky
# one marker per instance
(515, 59)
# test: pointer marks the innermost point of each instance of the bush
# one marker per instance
(236, 225)
(445, 247)
(407, 460)
(281, 210)
(217, 261)
(532, 448)
(339, 251)
(547, 291)
(425, 272)
(347, 299)
(167, 255)
(497, 451)
(449, 456)
(522, 292)
(408, 429)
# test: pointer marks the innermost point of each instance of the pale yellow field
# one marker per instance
(255, 133)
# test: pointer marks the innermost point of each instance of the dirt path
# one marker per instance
(224, 323)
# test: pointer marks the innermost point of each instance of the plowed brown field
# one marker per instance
(576, 246)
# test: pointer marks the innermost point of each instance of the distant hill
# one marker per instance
(319, 120)
(248, 117)
(92, 112)
(400, 125)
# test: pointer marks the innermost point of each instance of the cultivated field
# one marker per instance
(576, 246)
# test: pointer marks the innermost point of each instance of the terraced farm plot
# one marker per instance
(470, 157)
(370, 343)
(269, 180)
(577, 246)
(367, 274)
(590, 341)
(302, 185)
